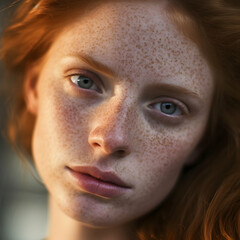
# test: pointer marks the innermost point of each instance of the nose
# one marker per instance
(110, 130)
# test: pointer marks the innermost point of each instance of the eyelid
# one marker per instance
(94, 77)
(183, 107)
(179, 103)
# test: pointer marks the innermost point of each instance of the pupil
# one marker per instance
(85, 82)
(168, 108)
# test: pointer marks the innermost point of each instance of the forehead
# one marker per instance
(136, 39)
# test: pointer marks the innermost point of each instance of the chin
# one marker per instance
(91, 211)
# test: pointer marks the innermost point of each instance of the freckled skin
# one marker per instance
(139, 42)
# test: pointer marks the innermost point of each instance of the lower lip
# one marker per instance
(97, 187)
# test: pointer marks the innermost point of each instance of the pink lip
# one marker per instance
(93, 180)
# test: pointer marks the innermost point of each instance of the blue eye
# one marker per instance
(82, 81)
(168, 108)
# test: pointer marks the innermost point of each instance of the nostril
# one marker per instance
(96, 144)
(120, 153)
(109, 145)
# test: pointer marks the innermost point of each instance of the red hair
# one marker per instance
(205, 203)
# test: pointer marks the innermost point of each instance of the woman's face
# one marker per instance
(139, 113)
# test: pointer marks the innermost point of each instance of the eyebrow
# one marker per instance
(172, 88)
(98, 66)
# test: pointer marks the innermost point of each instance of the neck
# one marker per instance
(62, 227)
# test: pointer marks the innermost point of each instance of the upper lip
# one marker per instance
(97, 173)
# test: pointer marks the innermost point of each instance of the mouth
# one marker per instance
(94, 181)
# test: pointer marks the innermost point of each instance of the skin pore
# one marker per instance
(142, 117)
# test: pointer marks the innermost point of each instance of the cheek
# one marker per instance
(61, 118)
(161, 157)
(59, 129)
(169, 146)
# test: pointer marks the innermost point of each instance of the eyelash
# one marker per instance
(169, 118)
(89, 75)
(161, 105)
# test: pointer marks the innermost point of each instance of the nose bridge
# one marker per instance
(116, 117)
(111, 130)
(117, 113)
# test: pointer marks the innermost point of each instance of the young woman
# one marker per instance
(130, 112)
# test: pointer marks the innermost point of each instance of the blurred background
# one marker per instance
(23, 199)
